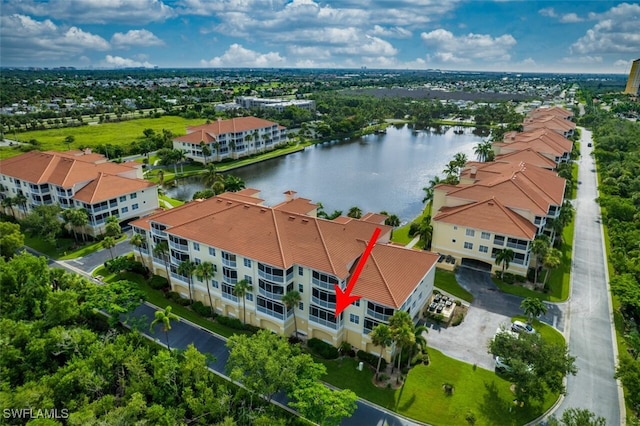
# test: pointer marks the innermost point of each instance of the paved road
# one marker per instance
(591, 338)
(491, 309)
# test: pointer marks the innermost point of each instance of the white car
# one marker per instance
(521, 327)
(502, 365)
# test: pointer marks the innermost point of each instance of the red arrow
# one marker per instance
(344, 299)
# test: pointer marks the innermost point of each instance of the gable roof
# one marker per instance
(529, 156)
(106, 187)
(220, 127)
(548, 122)
(488, 215)
(555, 111)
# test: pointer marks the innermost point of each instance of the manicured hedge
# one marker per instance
(158, 283)
(322, 349)
(371, 359)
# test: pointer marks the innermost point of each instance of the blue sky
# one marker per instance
(536, 36)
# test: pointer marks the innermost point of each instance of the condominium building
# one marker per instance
(77, 179)
(279, 105)
(633, 83)
(233, 138)
(286, 247)
(496, 205)
(561, 126)
(543, 141)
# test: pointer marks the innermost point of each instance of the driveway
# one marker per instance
(92, 261)
(490, 309)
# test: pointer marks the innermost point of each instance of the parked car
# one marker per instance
(521, 327)
(589, 144)
(501, 364)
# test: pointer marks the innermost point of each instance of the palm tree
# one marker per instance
(138, 241)
(216, 146)
(160, 177)
(291, 301)
(21, 201)
(460, 159)
(218, 187)
(401, 327)
(428, 197)
(164, 317)
(210, 175)
(504, 257)
(233, 183)
(9, 202)
(186, 268)
(206, 151)
(181, 157)
(205, 272)
(484, 151)
(80, 219)
(162, 250)
(392, 220)
(109, 243)
(112, 227)
(551, 260)
(420, 342)
(533, 307)
(67, 216)
(425, 231)
(451, 170)
(355, 212)
(381, 336)
(240, 290)
(539, 248)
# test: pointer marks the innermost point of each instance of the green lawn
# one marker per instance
(66, 248)
(172, 201)
(547, 332)
(401, 234)
(157, 298)
(122, 133)
(446, 280)
(476, 390)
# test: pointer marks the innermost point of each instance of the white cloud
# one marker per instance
(120, 62)
(582, 59)
(395, 32)
(238, 56)
(570, 18)
(548, 11)
(470, 47)
(621, 63)
(23, 39)
(96, 11)
(136, 38)
(617, 31)
(529, 62)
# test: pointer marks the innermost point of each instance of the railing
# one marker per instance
(517, 246)
(270, 312)
(157, 232)
(177, 246)
(39, 190)
(377, 315)
(158, 260)
(270, 295)
(328, 324)
(229, 280)
(180, 277)
(323, 303)
(99, 209)
(230, 297)
(230, 263)
(322, 284)
(271, 277)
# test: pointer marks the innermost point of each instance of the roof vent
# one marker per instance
(245, 206)
(305, 220)
(263, 210)
(490, 203)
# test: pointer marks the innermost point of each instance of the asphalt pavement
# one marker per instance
(591, 337)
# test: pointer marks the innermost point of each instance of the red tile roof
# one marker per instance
(106, 187)
(208, 133)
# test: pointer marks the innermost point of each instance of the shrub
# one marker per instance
(448, 389)
(521, 278)
(201, 309)
(234, 323)
(371, 359)
(383, 377)
(470, 418)
(413, 228)
(508, 278)
(457, 319)
(458, 302)
(322, 349)
(158, 283)
(345, 347)
(437, 318)
(175, 296)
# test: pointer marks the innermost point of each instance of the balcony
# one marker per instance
(99, 209)
(378, 316)
(180, 277)
(517, 246)
(270, 295)
(36, 190)
(322, 284)
(323, 303)
(230, 297)
(229, 263)
(178, 246)
(270, 312)
(324, 322)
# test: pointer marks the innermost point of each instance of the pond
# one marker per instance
(374, 172)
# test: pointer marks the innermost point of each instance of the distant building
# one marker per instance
(633, 83)
(77, 179)
(279, 105)
(233, 138)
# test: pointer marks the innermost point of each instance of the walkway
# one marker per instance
(592, 337)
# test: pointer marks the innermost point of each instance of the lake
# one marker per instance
(374, 172)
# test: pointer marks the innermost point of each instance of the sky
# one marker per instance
(520, 36)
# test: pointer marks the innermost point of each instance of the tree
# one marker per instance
(186, 268)
(429, 190)
(43, 222)
(210, 175)
(536, 365)
(628, 372)
(533, 307)
(164, 317)
(69, 140)
(504, 257)
(382, 336)
(355, 212)
(206, 151)
(241, 288)
(459, 160)
(577, 417)
(392, 220)
(162, 250)
(420, 343)
(233, 183)
(425, 231)
(11, 239)
(9, 202)
(109, 243)
(291, 300)
(323, 406)
(138, 242)
(205, 272)
(484, 151)
(552, 259)
(112, 227)
(402, 330)
(539, 248)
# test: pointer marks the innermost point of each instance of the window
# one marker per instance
(354, 318)
(247, 263)
(300, 270)
(134, 207)
(470, 232)
(212, 252)
(214, 284)
(249, 297)
(468, 245)
(300, 288)
(123, 198)
(356, 303)
(485, 235)
(197, 261)
(124, 209)
(249, 279)
(301, 306)
(483, 249)
(498, 240)
(133, 196)
(455, 228)
(196, 246)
